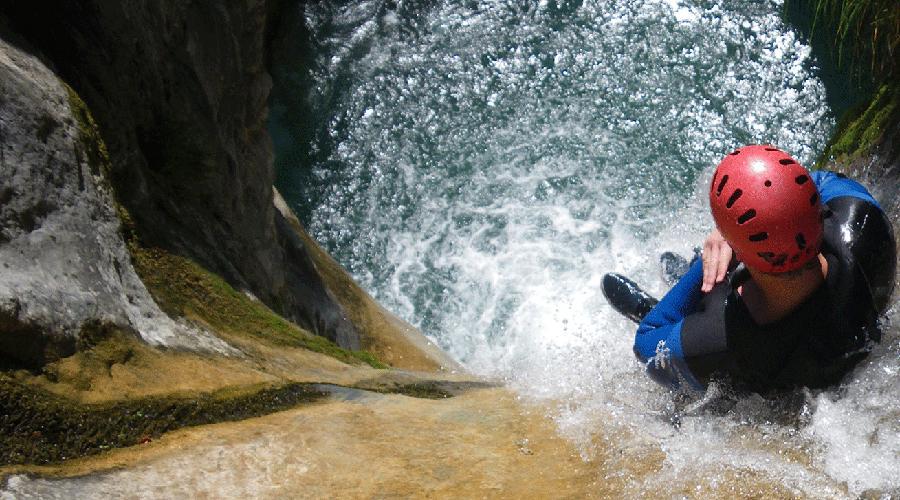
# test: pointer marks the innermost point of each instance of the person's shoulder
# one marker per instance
(832, 185)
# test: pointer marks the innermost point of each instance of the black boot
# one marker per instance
(674, 266)
(626, 297)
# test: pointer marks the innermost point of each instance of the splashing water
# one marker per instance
(483, 163)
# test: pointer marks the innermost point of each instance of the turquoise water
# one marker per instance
(478, 166)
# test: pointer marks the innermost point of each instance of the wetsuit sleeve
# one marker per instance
(658, 339)
(832, 185)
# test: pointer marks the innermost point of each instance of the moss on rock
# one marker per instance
(862, 128)
(112, 364)
(184, 289)
(40, 427)
(117, 391)
(92, 148)
(423, 389)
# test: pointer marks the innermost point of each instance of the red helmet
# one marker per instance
(767, 208)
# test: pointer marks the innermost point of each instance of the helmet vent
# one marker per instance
(768, 183)
(801, 241)
(721, 185)
(786, 161)
(736, 151)
(746, 216)
(801, 179)
(771, 149)
(734, 197)
(772, 259)
(763, 236)
(814, 198)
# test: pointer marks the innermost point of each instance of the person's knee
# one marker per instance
(644, 343)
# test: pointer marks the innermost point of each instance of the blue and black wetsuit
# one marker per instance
(691, 337)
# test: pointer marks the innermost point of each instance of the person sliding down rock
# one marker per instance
(789, 287)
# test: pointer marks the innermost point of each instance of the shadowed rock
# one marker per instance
(63, 262)
(179, 91)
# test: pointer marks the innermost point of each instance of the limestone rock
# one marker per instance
(391, 339)
(63, 262)
(179, 91)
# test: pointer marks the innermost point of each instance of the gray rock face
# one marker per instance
(63, 262)
(180, 91)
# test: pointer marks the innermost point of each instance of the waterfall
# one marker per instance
(479, 165)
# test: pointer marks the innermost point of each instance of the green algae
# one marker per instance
(44, 418)
(90, 143)
(40, 427)
(863, 127)
(184, 289)
(425, 389)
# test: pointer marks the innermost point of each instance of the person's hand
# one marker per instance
(717, 254)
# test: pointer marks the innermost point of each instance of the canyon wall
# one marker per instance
(179, 93)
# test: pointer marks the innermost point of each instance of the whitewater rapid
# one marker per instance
(479, 165)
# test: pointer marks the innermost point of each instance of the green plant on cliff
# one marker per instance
(858, 130)
(866, 34)
(858, 46)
